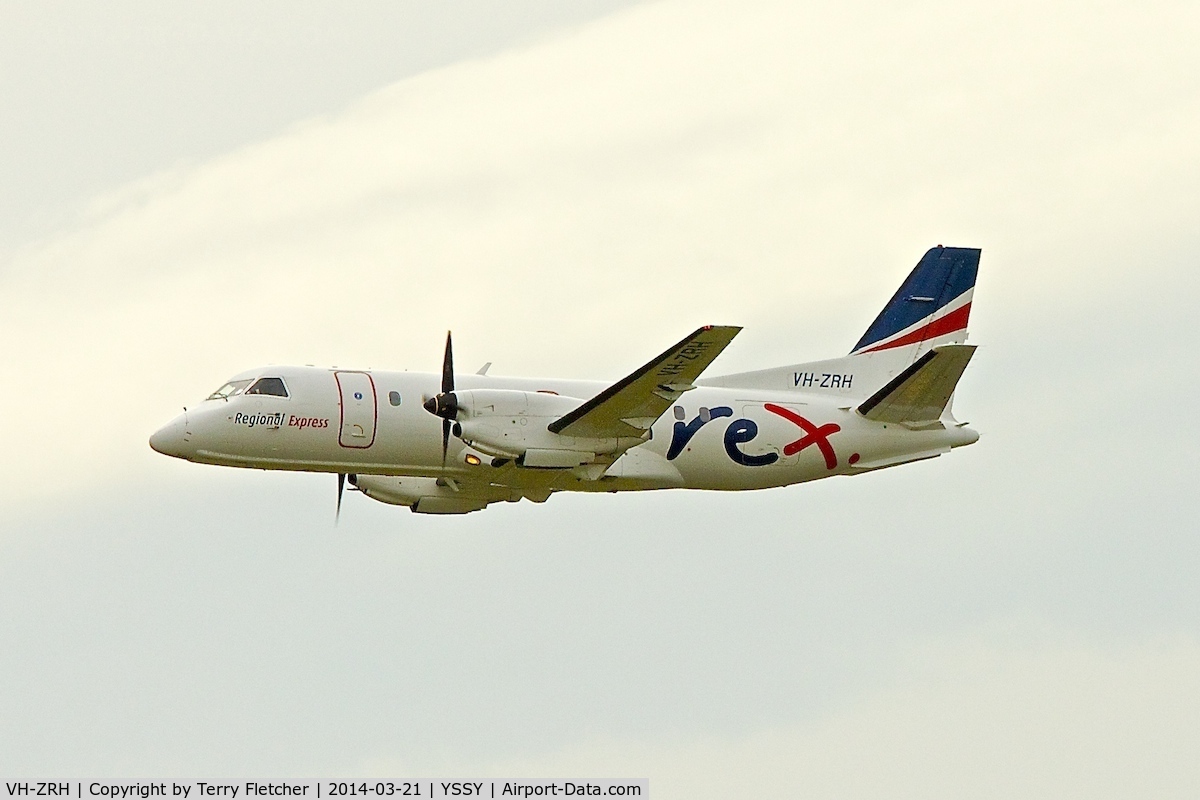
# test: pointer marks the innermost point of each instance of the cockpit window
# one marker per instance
(231, 389)
(271, 386)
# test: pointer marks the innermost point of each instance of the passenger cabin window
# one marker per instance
(271, 386)
(394, 398)
(231, 389)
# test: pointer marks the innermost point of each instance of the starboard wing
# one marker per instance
(631, 405)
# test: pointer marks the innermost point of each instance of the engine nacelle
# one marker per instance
(511, 424)
(422, 495)
(510, 403)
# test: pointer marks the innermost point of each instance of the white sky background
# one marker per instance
(1019, 618)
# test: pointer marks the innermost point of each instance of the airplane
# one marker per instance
(453, 443)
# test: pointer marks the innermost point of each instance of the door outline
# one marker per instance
(754, 413)
(342, 429)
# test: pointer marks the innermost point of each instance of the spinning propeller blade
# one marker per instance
(445, 404)
(448, 366)
(341, 488)
(447, 388)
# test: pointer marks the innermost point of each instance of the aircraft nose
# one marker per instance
(172, 438)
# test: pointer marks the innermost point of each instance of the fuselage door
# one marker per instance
(356, 392)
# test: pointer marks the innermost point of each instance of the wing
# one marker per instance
(631, 405)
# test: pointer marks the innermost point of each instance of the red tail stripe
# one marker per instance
(954, 321)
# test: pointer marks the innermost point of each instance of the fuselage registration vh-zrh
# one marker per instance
(451, 444)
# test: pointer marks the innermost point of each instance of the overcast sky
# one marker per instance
(188, 194)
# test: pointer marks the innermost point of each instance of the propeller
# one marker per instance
(342, 478)
(445, 404)
(341, 488)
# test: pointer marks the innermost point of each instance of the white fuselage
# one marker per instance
(372, 423)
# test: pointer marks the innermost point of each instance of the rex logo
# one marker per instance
(741, 431)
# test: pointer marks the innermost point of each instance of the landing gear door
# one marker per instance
(356, 391)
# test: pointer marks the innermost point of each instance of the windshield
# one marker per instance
(271, 386)
(231, 389)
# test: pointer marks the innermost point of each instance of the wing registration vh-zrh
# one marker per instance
(451, 444)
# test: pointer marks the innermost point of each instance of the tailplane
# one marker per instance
(918, 396)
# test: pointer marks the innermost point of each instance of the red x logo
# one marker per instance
(812, 435)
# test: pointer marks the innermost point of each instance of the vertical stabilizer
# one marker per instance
(931, 307)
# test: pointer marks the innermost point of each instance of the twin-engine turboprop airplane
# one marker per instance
(452, 444)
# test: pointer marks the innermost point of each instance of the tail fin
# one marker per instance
(931, 307)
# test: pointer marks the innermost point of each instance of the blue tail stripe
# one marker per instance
(943, 274)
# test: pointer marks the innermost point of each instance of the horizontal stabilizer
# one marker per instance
(920, 393)
(631, 405)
